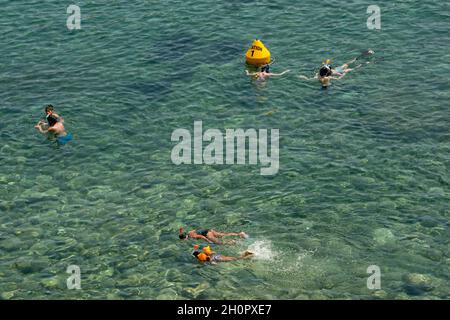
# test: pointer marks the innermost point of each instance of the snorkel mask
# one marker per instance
(51, 119)
(326, 63)
(181, 235)
(325, 71)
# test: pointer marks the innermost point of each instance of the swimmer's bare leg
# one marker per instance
(348, 70)
(351, 61)
(226, 234)
(226, 259)
(217, 241)
(351, 69)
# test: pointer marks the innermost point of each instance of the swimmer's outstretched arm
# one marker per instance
(40, 123)
(279, 74)
(306, 78)
(217, 241)
(251, 73)
(38, 126)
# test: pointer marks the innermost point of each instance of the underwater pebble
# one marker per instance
(380, 294)
(50, 282)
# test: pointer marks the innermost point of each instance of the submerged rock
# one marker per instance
(30, 264)
(98, 192)
(379, 294)
(3, 179)
(11, 244)
(131, 281)
(50, 282)
(173, 275)
(433, 254)
(194, 292)
(428, 222)
(39, 248)
(4, 206)
(383, 236)
(34, 196)
(107, 273)
(8, 295)
(167, 294)
(417, 279)
(417, 283)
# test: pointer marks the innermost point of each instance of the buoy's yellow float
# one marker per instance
(257, 54)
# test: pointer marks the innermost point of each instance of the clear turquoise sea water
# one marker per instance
(364, 167)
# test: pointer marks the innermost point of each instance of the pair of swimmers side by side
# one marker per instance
(212, 236)
(54, 123)
(325, 74)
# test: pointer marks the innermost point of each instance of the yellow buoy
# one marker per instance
(257, 54)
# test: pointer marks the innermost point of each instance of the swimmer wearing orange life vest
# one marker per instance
(207, 255)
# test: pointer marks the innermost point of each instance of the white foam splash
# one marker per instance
(262, 250)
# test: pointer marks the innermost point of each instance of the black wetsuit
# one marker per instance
(202, 232)
(52, 120)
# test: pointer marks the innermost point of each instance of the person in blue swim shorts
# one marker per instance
(55, 124)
